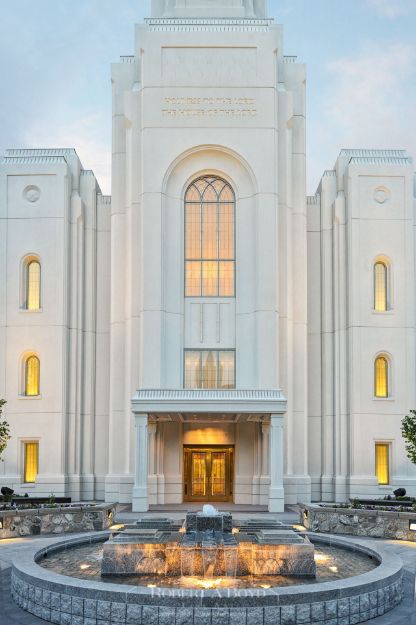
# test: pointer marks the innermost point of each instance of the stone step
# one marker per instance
(279, 537)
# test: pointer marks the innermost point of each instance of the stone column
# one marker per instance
(265, 431)
(276, 494)
(153, 457)
(140, 498)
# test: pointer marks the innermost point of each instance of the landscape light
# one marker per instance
(412, 526)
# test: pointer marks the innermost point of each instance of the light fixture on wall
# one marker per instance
(412, 526)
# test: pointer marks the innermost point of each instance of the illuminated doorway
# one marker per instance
(208, 473)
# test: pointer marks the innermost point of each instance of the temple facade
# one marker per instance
(209, 333)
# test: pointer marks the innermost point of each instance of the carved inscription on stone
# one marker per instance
(209, 107)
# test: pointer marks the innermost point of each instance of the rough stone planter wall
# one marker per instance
(68, 601)
(374, 523)
(59, 520)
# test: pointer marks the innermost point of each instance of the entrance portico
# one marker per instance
(243, 424)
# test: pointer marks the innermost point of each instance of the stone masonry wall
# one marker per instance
(373, 523)
(56, 520)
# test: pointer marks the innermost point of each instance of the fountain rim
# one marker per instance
(390, 567)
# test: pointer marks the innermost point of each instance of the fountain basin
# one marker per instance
(52, 596)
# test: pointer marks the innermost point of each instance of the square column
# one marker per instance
(140, 495)
(276, 494)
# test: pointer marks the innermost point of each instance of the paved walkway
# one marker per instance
(10, 614)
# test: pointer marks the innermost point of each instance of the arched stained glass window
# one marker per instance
(380, 286)
(32, 376)
(32, 299)
(209, 239)
(381, 377)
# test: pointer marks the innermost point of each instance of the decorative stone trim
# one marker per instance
(374, 153)
(63, 600)
(59, 520)
(376, 160)
(40, 152)
(353, 522)
(208, 24)
(186, 400)
(148, 394)
(22, 160)
(290, 59)
(105, 199)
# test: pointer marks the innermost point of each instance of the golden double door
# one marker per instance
(208, 473)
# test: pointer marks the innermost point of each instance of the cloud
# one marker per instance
(392, 8)
(369, 102)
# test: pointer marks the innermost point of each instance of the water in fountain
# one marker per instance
(206, 547)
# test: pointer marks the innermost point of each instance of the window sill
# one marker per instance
(27, 311)
(383, 312)
(27, 397)
(384, 399)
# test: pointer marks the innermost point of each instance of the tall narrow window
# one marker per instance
(31, 453)
(32, 376)
(383, 463)
(381, 377)
(209, 239)
(380, 286)
(210, 369)
(32, 299)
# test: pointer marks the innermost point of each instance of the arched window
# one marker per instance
(32, 376)
(209, 239)
(381, 377)
(380, 286)
(32, 285)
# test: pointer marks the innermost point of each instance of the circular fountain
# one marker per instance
(208, 570)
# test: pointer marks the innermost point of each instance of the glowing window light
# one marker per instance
(209, 369)
(31, 462)
(32, 375)
(33, 285)
(209, 239)
(380, 287)
(381, 374)
(382, 463)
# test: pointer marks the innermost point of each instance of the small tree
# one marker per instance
(4, 431)
(409, 435)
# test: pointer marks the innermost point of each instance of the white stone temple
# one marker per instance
(208, 333)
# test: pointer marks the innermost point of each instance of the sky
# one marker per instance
(55, 58)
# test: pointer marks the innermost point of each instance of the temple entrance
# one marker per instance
(208, 473)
